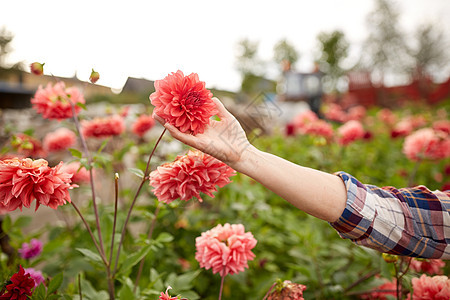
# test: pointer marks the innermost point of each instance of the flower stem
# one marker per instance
(268, 292)
(91, 175)
(144, 179)
(412, 176)
(221, 287)
(116, 200)
(79, 287)
(149, 236)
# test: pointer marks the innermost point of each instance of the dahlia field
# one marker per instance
(138, 215)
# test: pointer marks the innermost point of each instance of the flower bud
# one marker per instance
(389, 258)
(94, 76)
(37, 68)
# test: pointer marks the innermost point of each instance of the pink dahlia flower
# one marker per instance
(303, 120)
(356, 113)
(225, 249)
(427, 144)
(53, 101)
(143, 124)
(286, 290)
(166, 296)
(436, 287)
(319, 128)
(350, 132)
(36, 276)
(79, 173)
(20, 287)
(103, 127)
(442, 125)
(188, 176)
(429, 266)
(387, 116)
(28, 146)
(184, 102)
(23, 180)
(335, 113)
(31, 249)
(59, 140)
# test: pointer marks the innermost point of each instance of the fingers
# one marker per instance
(223, 112)
(158, 118)
(182, 137)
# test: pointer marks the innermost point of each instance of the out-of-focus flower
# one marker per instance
(37, 68)
(53, 102)
(436, 287)
(225, 249)
(188, 176)
(103, 127)
(304, 119)
(319, 128)
(79, 174)
(31, 249)
(166, 296)
(356, 113)
(290, 129)
(23, 180)
(442, 125)
(383, 291)
(20, 287)
(428, 266)
(335, 113)
(28, 146)
(184, 102)
(184, 263)
(36, 275)
(350, 132)
(95, 76)
(59, 140)
(143, 124)
(124, 111)
(386, 116)
(446, 187)
(286, 290)
(403, 128)
(425, 143)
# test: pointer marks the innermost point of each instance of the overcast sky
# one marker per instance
(150, 39)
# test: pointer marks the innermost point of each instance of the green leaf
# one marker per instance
(7, 224)
(76, 153)
(39, 293)
(81, 105)
(164, 237)
(55, 283)
(138, 172)
(89, 254)
(126, 292)
(103, 145)
(133, 259)
(22, 221)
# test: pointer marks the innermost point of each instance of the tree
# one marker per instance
(285, 54)
(247, 59)
(334, 49)
(385, 47)
(5, 39)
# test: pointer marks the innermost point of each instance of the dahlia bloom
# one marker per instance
(427, 144)
(356, 113)
(30, 250)
(184, 102)
(442, 125)
(319, 128)
(350, 132)
(287, 290)
(20, 287)
(335, 113)
(103, 127)
(381, 292)
(23, 180)
(28, 146)
(429, 266)
(59, 140)
(386, 116)
(189, 175)
(36, 276)
(302, 120)
(225, 249)
(143, 124)
(53, 101)
(166, 296)
(79, 173)
(436, 287)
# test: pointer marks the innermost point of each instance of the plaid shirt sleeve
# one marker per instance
(409, 221)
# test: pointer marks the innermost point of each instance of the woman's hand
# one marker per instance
(224, 139)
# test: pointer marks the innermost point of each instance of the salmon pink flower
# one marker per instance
(442, 125)
(53, 102)
(28, 146)
(59, 140)
(143, 124)
(79, 173)
(184, 102)
(37, 68)
(188, 176)
(356, 113)
(350, 132)
(23, 180)
(436, 287)
(103, 127)
(302, 120)
(20, 287)
(335, 113)
(286, 290)
(225, 249)
(319, 128)
(429, 266)
(383, 292)
(425, 143)
(36, 276)
(166, 296)
(31, 250)
(387, 116)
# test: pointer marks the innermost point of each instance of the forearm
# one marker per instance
(317, 193)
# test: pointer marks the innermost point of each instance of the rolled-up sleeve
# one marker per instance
(409, 221)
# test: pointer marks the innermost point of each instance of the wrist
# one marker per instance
(246, 160)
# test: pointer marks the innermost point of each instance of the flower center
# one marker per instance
(193, 99)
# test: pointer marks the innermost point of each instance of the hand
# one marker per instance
(224, 139)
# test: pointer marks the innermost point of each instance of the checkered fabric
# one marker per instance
(408, 221)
